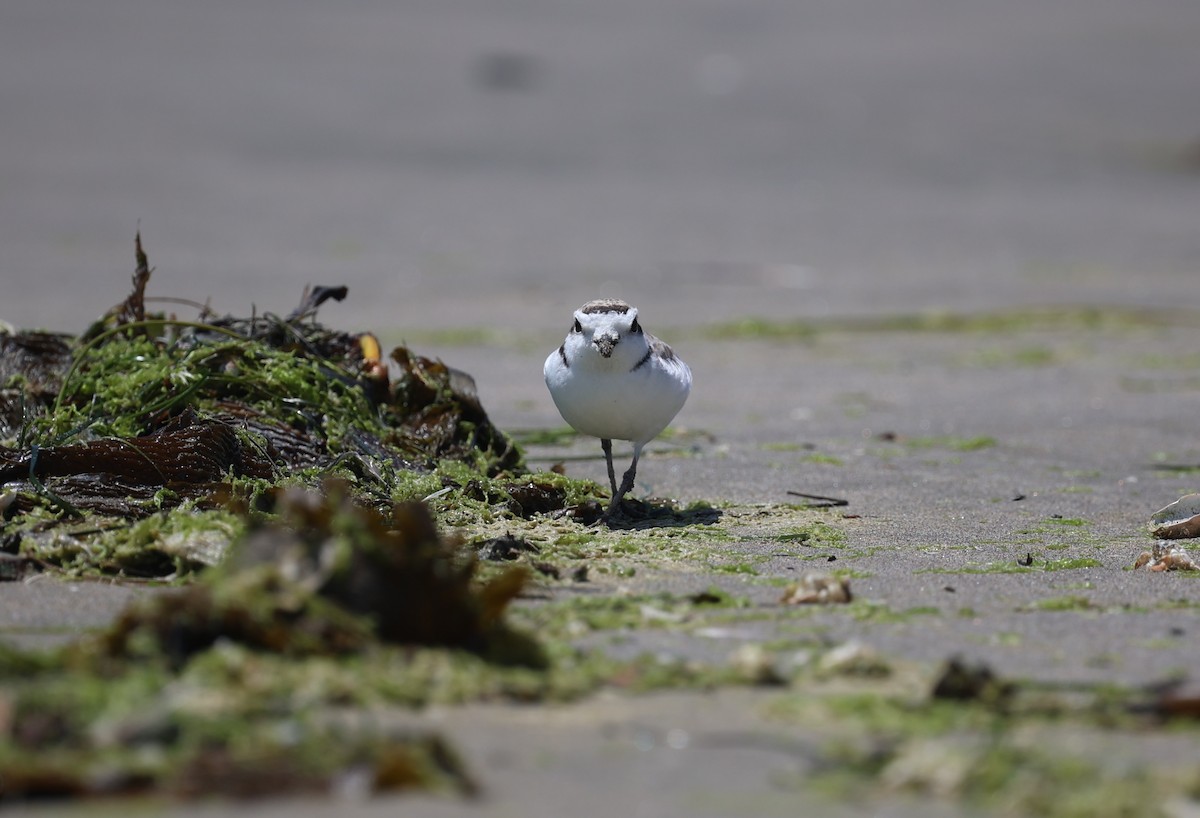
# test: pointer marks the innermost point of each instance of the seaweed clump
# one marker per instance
(328, 576)
(179, 696)
(144, 414)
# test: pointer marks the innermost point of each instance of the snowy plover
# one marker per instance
(613, 380)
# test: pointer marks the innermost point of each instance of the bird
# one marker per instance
(613, 380)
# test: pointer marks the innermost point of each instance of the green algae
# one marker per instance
(871, 611)
(1020, 566)
(1021, 320)
(168, 544)
(958, 444)
(759, 329)
(157, 724)
(823, 459)
(746, 568)
(1071, 564)
(1071, 522)
(1000, 322)
(983, 744)
(783, 446)
(556, 436)
(816, 534)
(1024, 356)
(197, 734)
(1073, 602)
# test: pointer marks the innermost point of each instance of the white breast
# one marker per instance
(603, 398)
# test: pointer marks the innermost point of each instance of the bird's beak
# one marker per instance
(605, 343)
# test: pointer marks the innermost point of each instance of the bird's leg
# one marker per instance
(626, 483)
(612, 475)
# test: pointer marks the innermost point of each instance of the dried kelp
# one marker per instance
(187, 450)
(31, 369)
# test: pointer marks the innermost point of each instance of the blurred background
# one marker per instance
(497, 162)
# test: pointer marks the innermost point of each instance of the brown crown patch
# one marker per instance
(604, 305)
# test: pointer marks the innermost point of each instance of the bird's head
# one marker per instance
(607, 328)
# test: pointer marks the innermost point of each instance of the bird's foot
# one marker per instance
(612, 513)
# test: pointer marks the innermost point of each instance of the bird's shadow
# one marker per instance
(638, 514)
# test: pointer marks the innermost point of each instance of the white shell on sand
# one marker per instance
(1184, 508)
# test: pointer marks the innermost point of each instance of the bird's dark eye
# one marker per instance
(578, 327)
(635, 327)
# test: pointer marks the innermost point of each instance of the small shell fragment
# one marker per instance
(854, 658)
(1185, 529)
(756, 665)
(1166, 557)
(817, 589)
